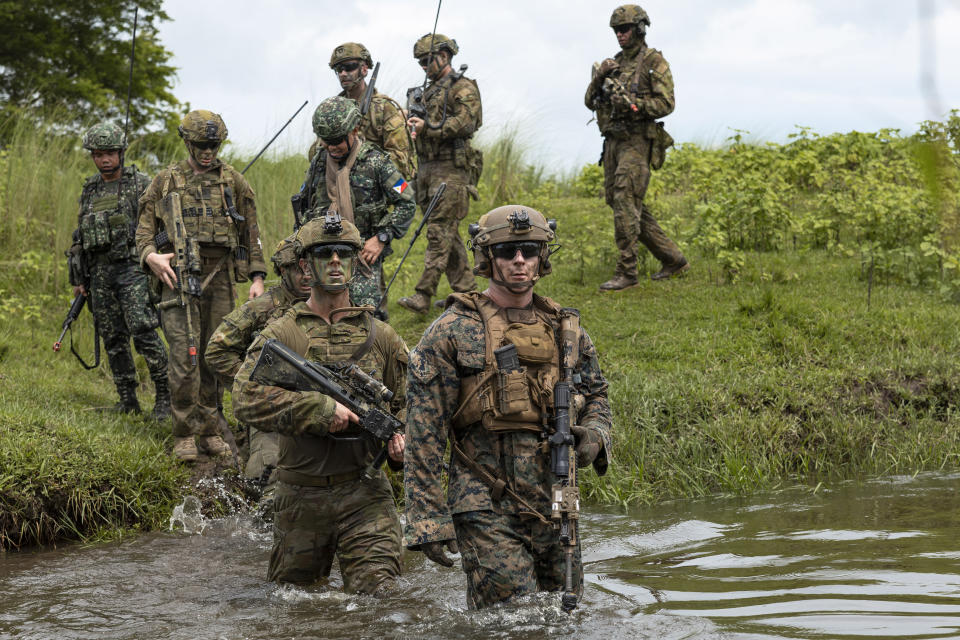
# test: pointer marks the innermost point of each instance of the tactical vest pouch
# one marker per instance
(512, 392)
(535, 342)
(660, 141)
(95, 231)
(119, 236)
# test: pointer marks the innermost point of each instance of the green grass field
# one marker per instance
(755, 370)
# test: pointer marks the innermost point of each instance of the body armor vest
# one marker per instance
(105, 228)
(632, 80)
(439, 99)
(203, 201)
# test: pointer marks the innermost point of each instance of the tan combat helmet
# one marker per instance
(630, 14)
(286, 263)
(201, 125)
(439, 42)
(510, 223)
(350, 51)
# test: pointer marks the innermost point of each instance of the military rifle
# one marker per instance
(415, 106)
(279, 366)
(368, 94)
(565, 494)
(187, 256)
(416, 234)
(76, 307)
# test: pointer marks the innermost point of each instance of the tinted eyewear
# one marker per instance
(326, 251)
(332, 142)
(508, 250)
(346, 66)
(623, 28)
(207, 144)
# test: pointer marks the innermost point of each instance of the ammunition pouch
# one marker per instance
(79, 271)
(95, 230)
(660, 141)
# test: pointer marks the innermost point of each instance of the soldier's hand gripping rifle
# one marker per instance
(426, 216)
(187, 256)
(279, 366)
(565, 494)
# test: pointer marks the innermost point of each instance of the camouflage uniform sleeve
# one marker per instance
(660, 102)
(465, 116)
(147, 225)
(228, 345)
(395, 358)
(404, 203)
(247, 207)
(432, 391)
(396, 140)
(596, 410)
(269, 408)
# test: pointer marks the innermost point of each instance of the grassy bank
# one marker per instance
(765, 365)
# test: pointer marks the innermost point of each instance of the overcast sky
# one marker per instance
(762, 66)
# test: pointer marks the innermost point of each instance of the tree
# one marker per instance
(72, 57)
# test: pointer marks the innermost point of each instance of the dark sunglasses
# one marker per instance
(326, 251)
(508, 250)
(209, 144)
(346, 66)
(622, 28)
(332, 142)
(424, 61)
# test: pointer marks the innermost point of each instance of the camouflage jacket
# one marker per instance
(643, 80)
(451, 349)
(375, 185)
(454, 113)
(204, 214)
(303, 418)
(385, 126)
(228, 345)
(105, 232)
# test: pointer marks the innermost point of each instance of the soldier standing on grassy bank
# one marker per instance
(103, 264)
(208, 212)
(451, 114)
(383, 123)
(323, 506)
(228, 348)
(629, 92)
(357, 179)
(498, 419)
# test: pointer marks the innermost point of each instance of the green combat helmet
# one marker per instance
(510, 223)
(440, 42)
(104, 136)
(328, 230)
(335, 117)
(201, 125)
(630, 14)
(350, 51)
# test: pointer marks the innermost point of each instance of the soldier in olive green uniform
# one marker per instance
(497, 420)
(451, 115)
(220, 244)
(383, 123)
(228, 346)
(629, 92)
(357, 179)
(103, 264)
(323, 506)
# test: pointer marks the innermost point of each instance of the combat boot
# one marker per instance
(214, 446)
(128, 399)
(185, 449)
(671, 270)
(418, 302)
(619, 282)
(161, 403)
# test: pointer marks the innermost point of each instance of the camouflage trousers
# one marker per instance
(366, 286)
(505, 556)
(122, 308)
(445, 252)
(194, 389)
(626, 174)
(355, 521)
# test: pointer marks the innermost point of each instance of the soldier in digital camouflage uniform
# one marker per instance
(629, 92)
(498, 502)
(357, 179)
(103, 264)
(383, 124)
(222, 245)
(228, 346)
(323, 507)
(444, 154)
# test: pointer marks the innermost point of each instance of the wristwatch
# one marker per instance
(384, 237)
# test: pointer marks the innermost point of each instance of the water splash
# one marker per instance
(188, 514)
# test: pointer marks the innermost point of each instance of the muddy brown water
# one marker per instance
(871, 559)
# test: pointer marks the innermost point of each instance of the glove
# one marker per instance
(589, 444)
(607, 67)
(434, 551)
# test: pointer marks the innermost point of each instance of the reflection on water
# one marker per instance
(862, 560)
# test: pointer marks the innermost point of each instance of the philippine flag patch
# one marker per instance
(400, 186)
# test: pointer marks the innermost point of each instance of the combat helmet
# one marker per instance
(630, 14)
(285, 255)
(201, 125)
(350, 51)
(335, 117)
(104, 136)
(510, 223)
(440, 42)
